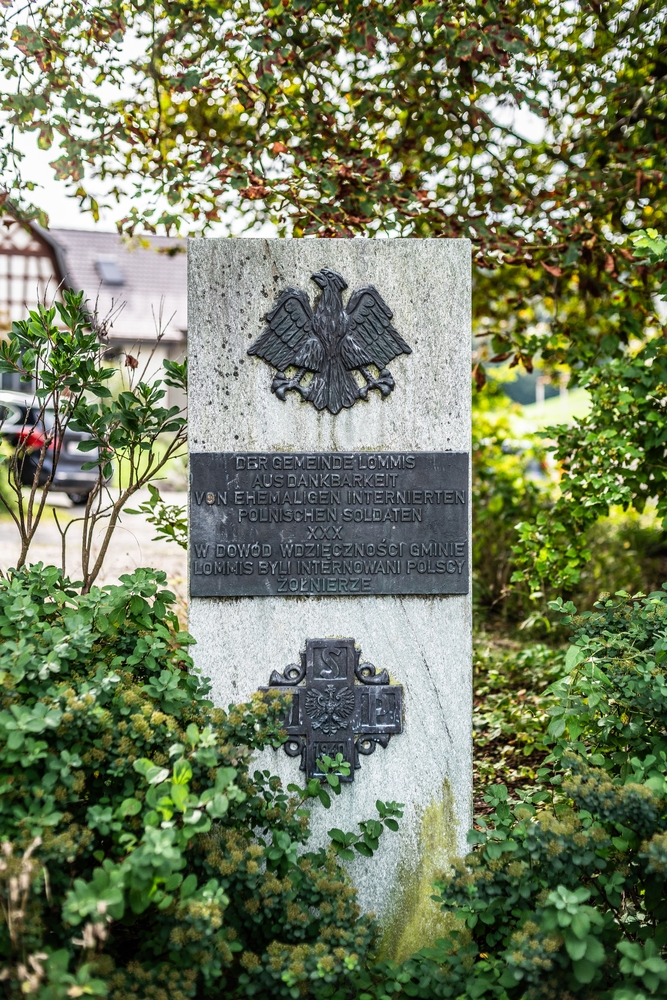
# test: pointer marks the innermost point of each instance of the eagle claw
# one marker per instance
(385, 382)
(282, 384)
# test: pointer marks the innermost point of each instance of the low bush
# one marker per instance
(510, 485)
(628, 551)
(142, 856)
(564, 894)
(516, 496)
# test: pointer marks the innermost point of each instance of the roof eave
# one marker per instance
(57, 253)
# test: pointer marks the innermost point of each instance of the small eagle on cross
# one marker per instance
(330, 709)
(331, 342)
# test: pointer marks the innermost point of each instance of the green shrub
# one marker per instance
(627, 550)
(612, 705)
(510, 486)
(512, 697)
(154, 861)
(142, 857)
(564, 892)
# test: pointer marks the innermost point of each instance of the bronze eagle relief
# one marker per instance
(331, 342)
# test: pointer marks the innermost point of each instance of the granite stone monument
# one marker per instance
(329, 411)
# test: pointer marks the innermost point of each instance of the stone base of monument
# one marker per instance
(342, 522)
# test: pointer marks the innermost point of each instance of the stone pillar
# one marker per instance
(423, 640)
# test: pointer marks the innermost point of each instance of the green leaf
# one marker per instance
(344, 852)
(580, 925)
(364, 849)
(182, 772)
(595, 951)
(584, 971)
(188, 887)
(575, 948)
(573, 658)
(179, 796)
(338, 836)
(128, 807)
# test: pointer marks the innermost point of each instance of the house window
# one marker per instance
(109, 272)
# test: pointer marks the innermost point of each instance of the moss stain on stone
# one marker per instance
(415, 920)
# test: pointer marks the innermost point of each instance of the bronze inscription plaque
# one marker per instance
(310, 524)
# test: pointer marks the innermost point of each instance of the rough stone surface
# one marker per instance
(424, 642)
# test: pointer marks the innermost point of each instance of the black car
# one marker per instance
(19, 421)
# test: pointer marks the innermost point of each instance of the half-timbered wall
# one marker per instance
(27, 273)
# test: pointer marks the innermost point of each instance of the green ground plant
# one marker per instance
(628, 551)
(517, 495)
(512, 684)
(143, 854)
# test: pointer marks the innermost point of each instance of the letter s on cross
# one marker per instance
(331, 668)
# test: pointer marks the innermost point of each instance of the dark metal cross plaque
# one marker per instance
(332, 714)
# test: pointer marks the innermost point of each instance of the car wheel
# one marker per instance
(79, 499)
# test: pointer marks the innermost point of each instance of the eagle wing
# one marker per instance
(315, 708)
(289, 338)
(344, 705)
(371, 339)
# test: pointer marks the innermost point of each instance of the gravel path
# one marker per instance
(132, 545)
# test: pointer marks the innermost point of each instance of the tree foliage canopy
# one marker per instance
(535, 128)
(345, 118)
